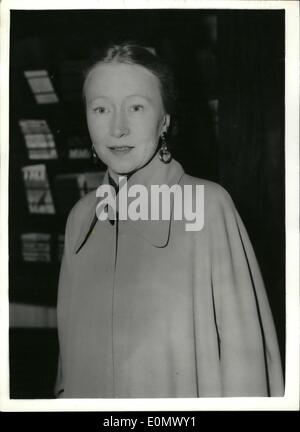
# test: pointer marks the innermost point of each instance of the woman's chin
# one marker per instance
(122, 169)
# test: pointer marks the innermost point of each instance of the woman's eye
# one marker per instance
(101, 110)
(137, 108)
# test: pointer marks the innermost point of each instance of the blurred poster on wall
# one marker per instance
(38, 191)
(39, 139)
(36, 247)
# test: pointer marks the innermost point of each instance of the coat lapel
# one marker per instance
(154, 173)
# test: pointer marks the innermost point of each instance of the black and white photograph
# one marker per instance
(149, 174)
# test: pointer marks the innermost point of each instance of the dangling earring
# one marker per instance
(94, 155)
(164, 154)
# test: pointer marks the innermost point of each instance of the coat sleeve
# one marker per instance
(249, 357)
(63, 304)
(59, 387)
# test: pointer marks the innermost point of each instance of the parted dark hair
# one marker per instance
(130, 52)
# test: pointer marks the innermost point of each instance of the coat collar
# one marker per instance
(154, 173)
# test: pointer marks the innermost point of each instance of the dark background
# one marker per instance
(229, 67)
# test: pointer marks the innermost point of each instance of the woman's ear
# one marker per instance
(166, 123)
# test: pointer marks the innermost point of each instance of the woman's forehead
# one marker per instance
(121, 80)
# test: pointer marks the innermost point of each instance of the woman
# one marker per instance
(147, 308)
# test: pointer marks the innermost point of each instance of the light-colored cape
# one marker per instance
(152, 310)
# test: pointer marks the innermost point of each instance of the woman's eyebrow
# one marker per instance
(99, 97)
(141, 96)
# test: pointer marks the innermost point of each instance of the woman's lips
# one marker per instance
(120, 150)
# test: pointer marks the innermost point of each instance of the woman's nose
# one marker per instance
(119, 125)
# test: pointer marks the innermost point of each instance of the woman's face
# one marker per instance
(125, 115)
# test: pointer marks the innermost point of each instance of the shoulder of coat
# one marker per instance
(83, 209)
(215, 195)
(213, 190)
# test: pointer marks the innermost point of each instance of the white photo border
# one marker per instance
(290, 401)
